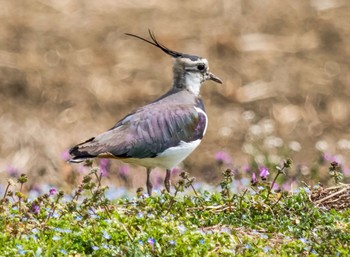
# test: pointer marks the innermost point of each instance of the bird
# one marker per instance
(165, 131)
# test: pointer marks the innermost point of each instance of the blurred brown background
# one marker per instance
(68, 72)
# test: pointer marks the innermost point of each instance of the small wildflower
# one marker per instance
(254, 181)
(65, 156)
(95, 248)
(286, 186)
(327, 157)
(22, 179)
(346, 171)
(267, 249)
(22, 252)
(175, 171)
(181, 228)
(56, 238)
(303, 240)
(105, 246)
(223, 157)
(275, 187)
(104, 166)
(336, 172)
(124, 171)
(53, 191)
(12, 171)
(264, 236)
(35, 231)
(334, 164)
(246, 168)
(35, 208)
(172, 242)
(82, 169)
(106, 235)
(151, 241)
(63, 252)
(247, 246)
(264, 172)
(78, 218)
(201, 241)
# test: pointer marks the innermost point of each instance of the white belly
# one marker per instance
(168, 159)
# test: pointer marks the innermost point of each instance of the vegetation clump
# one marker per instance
(259, 221)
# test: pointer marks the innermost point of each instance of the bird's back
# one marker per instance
(173, 119)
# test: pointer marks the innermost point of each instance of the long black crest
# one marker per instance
(157, 44)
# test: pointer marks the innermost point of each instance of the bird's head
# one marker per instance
(190, 71)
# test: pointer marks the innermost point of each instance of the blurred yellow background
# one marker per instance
(68, 72)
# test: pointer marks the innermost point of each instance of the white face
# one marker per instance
(195, 73)
(190, 72)
(194, 81)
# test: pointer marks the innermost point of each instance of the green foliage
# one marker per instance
(256, 222)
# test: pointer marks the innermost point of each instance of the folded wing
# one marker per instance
(145, 133)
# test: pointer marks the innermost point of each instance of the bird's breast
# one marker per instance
(202, 124)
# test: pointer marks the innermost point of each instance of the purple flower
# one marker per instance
(52, 191)
(82, 169)
(286, 186)
(264, 172)
(151, 241)
(104, 166)
(106, 235)
(246, 168)
(346, 171)
(12, 171)
(275, 187)
(267, 248)
(65, 156)
(254, 181)
(223, 157)
(175, 171)
(327, 157)
(124, 170)
(35, 208)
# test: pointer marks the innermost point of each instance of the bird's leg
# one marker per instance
(148, 182)
(167, 180)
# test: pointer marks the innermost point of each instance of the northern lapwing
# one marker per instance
(164, 132)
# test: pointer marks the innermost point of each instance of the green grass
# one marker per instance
(255, 222)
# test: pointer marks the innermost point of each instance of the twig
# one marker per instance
(330, 196)
(242, 196)
(126, 230)
(277, 201)
(6, 190)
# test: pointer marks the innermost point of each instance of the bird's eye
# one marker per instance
(201, 67)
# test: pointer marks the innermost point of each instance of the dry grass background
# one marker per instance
(68, 72)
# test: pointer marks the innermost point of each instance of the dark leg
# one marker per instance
(167, 180)
(148, 182)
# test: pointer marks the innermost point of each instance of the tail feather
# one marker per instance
(80, 152)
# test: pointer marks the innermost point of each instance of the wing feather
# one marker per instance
(146, 133)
